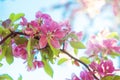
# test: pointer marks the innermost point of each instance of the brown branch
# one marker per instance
(79, 62)
(11, 34)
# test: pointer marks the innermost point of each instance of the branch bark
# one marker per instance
(65, 52)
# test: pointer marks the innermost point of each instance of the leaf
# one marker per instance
(75, 51)
(113, 35)
(48, 69)
(107, 78)
(11, 17)
(20, 77)
(5, 77)
(114, 54)
(30, 56)
(116, 77)
(4, 49)
(20, 40)
(1, 64)
(9, 55)
(62, 60)
(71, 35)
(77, 44)
(18, 16)
(85, 60)
(1, 30)
(14, 17)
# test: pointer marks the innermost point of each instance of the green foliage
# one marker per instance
(85, 60)
(8, 55)
(30, 56)
(48, 68)
(14, 17)
(1, 64)
(20, 40)
(5, 77)
(62, 60)
(111, 78)
(77, 44)
(113, 54)
(113, 35)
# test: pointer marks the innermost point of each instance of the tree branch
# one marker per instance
(9, 35)
(79, 62)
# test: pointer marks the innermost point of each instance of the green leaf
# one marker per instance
(116, 77)
(113, 35)
(5, 77)
(11, 17)
(9, 55)
(30, 56)
(1, 64)
(20, 40)
(85, 60)
(77, 44)
(1, 30)
(18, 16)
(14, 17)
(107, 78)
(75, 51)
(48, 69)
(20, 77)
(4, 49)
(62, 60)
(114, 54)
(71, 35)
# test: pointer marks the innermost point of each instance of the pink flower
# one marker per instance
(74, 77)
(111, 45)
(36, 64)
(35, 24)
(20, 51)
(85, 75)
(52, 32)
(0, 51)
(24, 22)
(106, 68)
(45, 17)
(93, 48)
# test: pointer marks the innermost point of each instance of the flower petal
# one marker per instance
(55, 43)
(59, 34)
(43, 41)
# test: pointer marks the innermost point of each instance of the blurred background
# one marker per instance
(88, 16)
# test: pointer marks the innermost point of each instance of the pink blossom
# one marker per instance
(85, 75)
(111, 45)
(20, 51)
(74, 77)
(24, 21)
(36, 25)
(52, 32)
(45, 17)
(36, 64)
(106, 68)
(93, 48)
(0, 51)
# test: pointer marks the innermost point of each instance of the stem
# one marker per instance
(4, 39)
(79, 62)
(9, 35)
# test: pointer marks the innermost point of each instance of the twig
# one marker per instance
(9, 35)
(78, 61)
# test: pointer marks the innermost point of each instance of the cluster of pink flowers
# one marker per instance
(102, 44)
(36, 64)
(102, 69)
(46, 29)
(20, 51)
